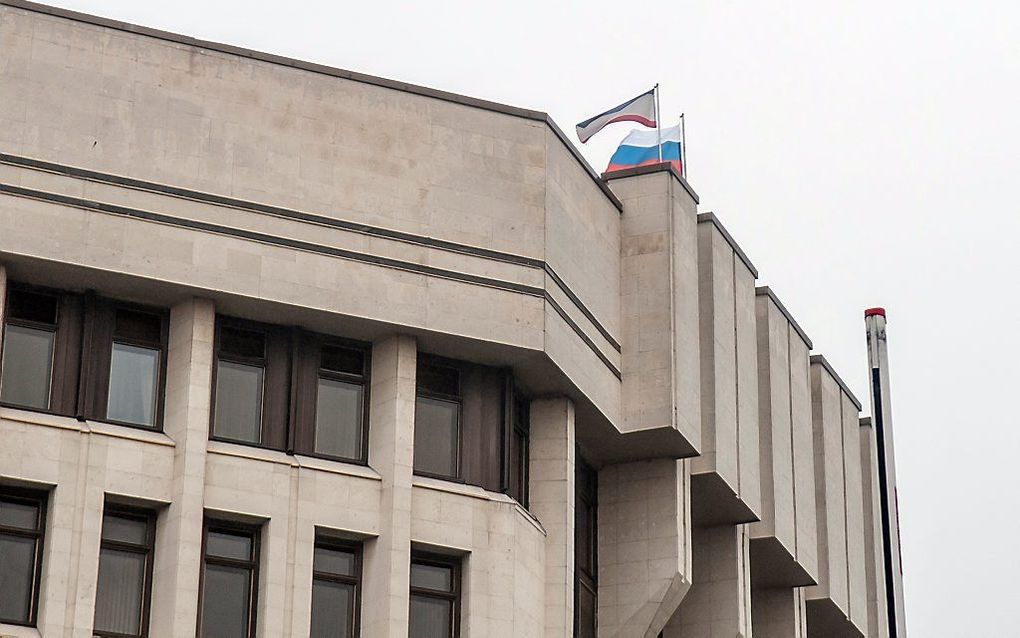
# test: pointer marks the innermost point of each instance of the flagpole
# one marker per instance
(683, 147)
(658, 121)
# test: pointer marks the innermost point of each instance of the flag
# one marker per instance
(640, 148)
(640, 109)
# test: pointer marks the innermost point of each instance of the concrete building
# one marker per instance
(290, 350)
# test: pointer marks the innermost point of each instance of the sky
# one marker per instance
(863, 154)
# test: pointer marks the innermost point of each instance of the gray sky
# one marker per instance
(861, 153)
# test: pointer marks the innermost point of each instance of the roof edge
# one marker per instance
(712, 218)
(765, 291)
(322, 69)
(652, 168)
(822, 361)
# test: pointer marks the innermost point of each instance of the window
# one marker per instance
(585, 550)
(136, 357)
(336, 576)
(124, 584)
(29, 341)
(84, 356)
(292, 390)
(240, 384)
(229, 580)
(435, 597)
(471, 425)
(22, 521)
(437, 421)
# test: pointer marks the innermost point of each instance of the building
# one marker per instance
(290, 350)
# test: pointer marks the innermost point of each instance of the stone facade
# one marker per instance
(736, 493)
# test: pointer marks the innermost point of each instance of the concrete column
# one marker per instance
(552, 458)
(719, 601)
(391, 453)
(178, 558)
(725, 477)
(659, 286)
(779, 613)
(644, 545)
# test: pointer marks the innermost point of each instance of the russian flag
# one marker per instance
(639, 148)
(640, 109)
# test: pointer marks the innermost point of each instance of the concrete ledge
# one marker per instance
(765, 291)
(711, 218)
(664, 167)
(822, 361)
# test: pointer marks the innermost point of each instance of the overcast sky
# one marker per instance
(862, 154)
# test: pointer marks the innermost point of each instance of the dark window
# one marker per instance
(124, 585)
(80, 355)
(22, 521)
(471, 424)
(240, 384)
(29, 341)
(437, 436)
(585, 550)
(340, 403)
(435, 597)
(229, 580)
(517, 458)
(336, 581)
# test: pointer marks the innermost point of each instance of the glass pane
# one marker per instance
(434, 577)
(19, 514)
(138, 325)
(31, 306)
(238, 402)
(119, 591)
(583, 531)
(228, 545)
(243, 343)
(17, 575)
(340, 359)
(438, 378)
(27, 362)
(517, 470)
(332, 610)
(134, 376)
(338, 424)
(430, 618)
(225, 595)
(436, 436)
(125, 529)
(585, 612)
(334, 561)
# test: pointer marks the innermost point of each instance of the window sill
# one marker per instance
(473, 491)
(242, 451)
(34, 418)
(18, 631)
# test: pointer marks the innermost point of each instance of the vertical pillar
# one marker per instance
(719, 601)
(178, 559)
(644, 546)
(552, 502)
(391, 450)
(874, 561)
(779, 612)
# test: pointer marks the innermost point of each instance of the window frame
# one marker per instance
(262, 362)
(61, 400)
(454, 596)
(307, 372)
(41, 499)
(517, 423)
(148, 549)
(328, 542)
(82, 353)
(458, 399)
(213, 524)
(99, 357)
